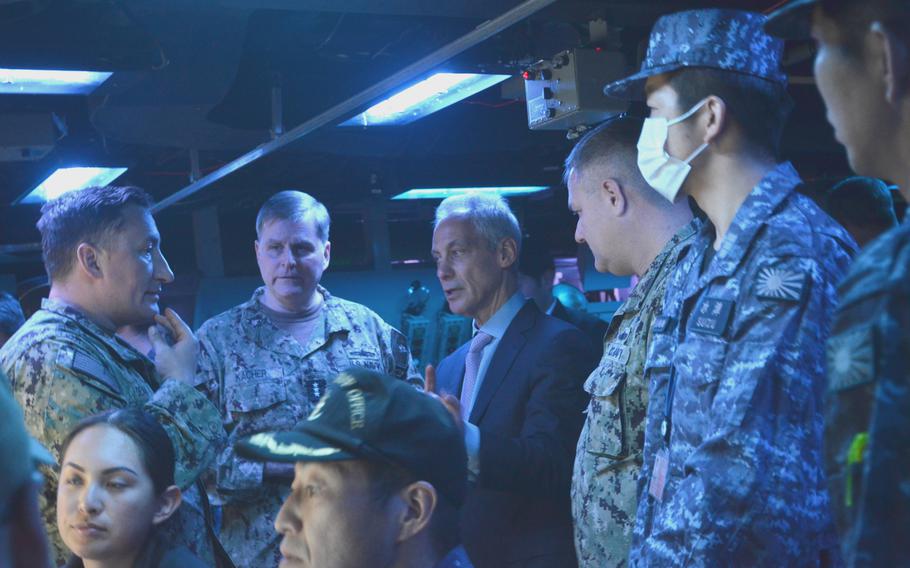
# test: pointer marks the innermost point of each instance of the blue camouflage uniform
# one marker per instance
(741, 344)
(733, 472)
(867, 430)
(867, 407)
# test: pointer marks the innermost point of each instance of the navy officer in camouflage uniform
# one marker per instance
(265, 363)
(631, 230)
(101, 251)
(733, 472)
(863, 73)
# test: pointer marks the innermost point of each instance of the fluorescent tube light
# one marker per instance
(49, 81)
(65, 180)
(423, 98)
(443, 192)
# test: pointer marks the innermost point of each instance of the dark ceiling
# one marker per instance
(198, 75)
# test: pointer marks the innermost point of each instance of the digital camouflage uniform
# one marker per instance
(63, 367)
(608, 457)
(867, 433)
(745, 342)
(261, 378)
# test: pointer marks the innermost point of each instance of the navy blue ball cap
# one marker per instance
(731, 40)
(365, 415)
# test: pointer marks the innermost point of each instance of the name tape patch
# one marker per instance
(712, 315)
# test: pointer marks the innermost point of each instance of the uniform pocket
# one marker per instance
(700, 360)
(606, 429)
(660, 351)
(256, 394)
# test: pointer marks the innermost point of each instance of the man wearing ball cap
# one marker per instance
(732, 469)
(380, 474)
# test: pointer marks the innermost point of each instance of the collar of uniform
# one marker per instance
(878, 267)
(771, 191)
(260, 328)
(123, 349)
(497, 325)
(670, 253)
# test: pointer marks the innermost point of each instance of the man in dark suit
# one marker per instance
(536, 273)
(516, 387)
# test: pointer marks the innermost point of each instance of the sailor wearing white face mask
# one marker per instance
(662, 171)
(732, 466)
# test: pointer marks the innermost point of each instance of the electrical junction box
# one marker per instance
(566, 92)
(27, 137)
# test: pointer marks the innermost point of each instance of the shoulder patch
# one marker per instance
(778, 283)
(851, 358)
(82, 363)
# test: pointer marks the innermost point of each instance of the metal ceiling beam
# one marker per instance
(20, 248)
(357, 102)
(419, 8)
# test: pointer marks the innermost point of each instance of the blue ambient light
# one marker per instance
(443, 192)
(423, 98)
(65, 180)
(49, 81)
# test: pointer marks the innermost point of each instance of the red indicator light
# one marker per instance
(526, 75)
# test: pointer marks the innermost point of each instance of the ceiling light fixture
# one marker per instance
(65, 180)
(423, 98)
(49, 81)
(443, 192)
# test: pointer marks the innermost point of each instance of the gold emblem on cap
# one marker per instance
(268, 442)
(357, 405)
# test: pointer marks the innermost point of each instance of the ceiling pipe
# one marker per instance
(20, 248)
(348, 107)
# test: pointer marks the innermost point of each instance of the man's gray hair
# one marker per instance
(489, 213)
(613, 143)
(296, 206)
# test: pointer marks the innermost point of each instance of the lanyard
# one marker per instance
(665, 424)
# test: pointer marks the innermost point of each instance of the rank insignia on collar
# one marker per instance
(775, 283)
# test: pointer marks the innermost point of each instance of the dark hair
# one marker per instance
(760, 107)
(147, 433)
(853, 19)
(861, 201)
(89, 215)
(11, 316)
(386, 480)
(612, 141)
(535, 260)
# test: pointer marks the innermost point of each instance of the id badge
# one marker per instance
(659, 474)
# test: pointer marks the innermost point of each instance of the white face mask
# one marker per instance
(662, 171)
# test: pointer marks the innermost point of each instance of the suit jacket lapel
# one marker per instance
(452, 375)
(511, 344)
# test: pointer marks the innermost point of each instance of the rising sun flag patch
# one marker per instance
(780, 284)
